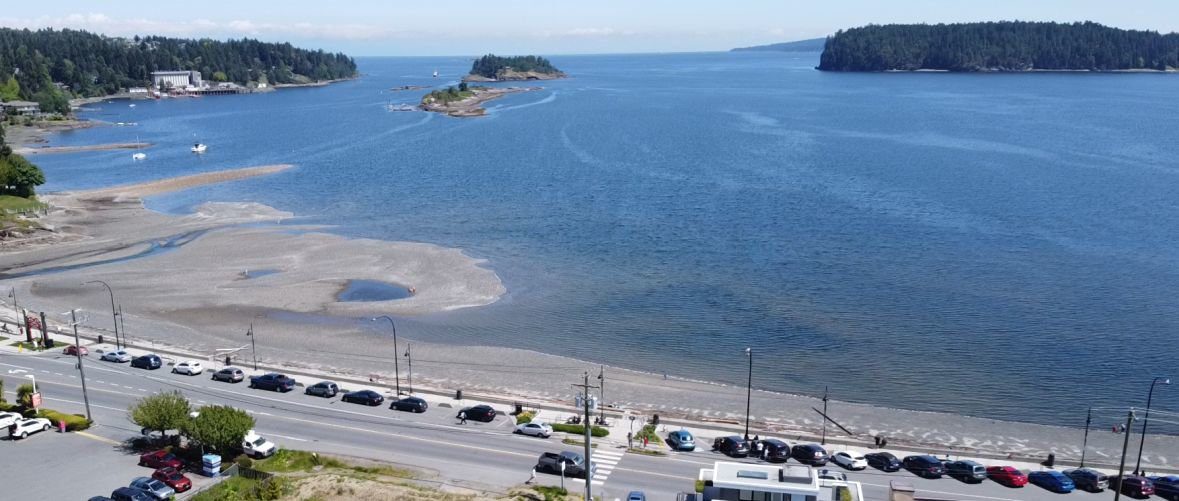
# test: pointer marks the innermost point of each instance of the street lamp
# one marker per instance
(114, 316)
(409, 357)
(253, 347)
(748, 390)
(1145, 419)
(396, 369)
(34, 378)
(1085, 443)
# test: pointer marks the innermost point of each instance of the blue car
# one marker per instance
(681, 441)
(1052, 480)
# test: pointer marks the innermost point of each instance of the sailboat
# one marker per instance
(435, 73)
(199, 148)
(139, 156)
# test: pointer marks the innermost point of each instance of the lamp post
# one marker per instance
(1085, 443)
(253, 348)
(34, 378)
(824, 440)
(114, 315)
(396, 370)
(602, 392)
(748, 390)
(1145, 420)
(1125, 445)
(409, 358)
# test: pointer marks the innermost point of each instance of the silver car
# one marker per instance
(154, 487)
(119, 356)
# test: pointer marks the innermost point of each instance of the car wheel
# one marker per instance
(252, 385)
(517, 431)
(24, 434)
(45, 428)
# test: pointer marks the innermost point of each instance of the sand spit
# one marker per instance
(183, 182)
(45, 150)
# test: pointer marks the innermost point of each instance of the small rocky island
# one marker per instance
(465, 101)
(492, 68)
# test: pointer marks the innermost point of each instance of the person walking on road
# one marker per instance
(531, 477)
(630, 440)
(462, 417)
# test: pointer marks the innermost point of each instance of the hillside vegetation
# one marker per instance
(495, 67)
(999, 46)
(88, 64)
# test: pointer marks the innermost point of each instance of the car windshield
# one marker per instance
(258, 442)
(174, 476)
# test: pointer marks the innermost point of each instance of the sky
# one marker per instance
(463, 27)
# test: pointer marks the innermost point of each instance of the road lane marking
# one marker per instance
(269, 434)
(96, 437)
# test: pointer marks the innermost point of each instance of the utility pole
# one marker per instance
(602, 392)
(409, 357)
(81, 370)
(1085, 443)
(19, 315)
(824, 440)
(253, 347)
(748, 390)
(589, 465)
(1125, 445)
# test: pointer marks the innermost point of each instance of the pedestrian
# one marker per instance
(61, 425)
(532, 476)
(630, 440)
(462, 417)
(644, 441)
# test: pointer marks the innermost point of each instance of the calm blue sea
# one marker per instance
(996, 245)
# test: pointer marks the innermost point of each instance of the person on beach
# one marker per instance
(462, 417)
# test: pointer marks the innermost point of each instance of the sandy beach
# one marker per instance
(45, 150)
(196, 282)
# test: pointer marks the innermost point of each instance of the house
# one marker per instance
(21, 108)
(761, 482)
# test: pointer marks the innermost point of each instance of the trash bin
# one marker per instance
(100, 339)
(1051, 461)
(228, 361)
(49, 343)
(655, 419)
(519, 409)
(211, 465)
(458, 394)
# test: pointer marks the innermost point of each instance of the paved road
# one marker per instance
(477, 455)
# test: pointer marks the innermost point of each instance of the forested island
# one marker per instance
(51, 66)
(492, 68)
(809, 45)
(466, 101)
(999, 46)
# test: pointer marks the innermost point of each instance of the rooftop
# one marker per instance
(765, 477)
(19, 104)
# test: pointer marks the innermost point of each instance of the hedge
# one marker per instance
(596, 431)
(73, 422)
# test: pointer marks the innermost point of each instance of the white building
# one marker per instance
(176, 79)
(20, 108)
(762, 482)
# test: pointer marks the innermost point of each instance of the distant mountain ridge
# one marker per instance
(810, 45)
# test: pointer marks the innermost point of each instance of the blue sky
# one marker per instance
(454, 27)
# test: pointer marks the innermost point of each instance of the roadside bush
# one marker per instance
(73, 422)
(24, 395)
(525, 417)
(596, 431)
(273, 488)
(244, 461)
(648, 432)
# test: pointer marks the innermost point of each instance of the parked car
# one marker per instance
(1166, 487)
(229, 375)
(849, 460)
(636, 496)
(550, 462)
(255, 446)
(154, 487)
(119, 356)
(188, 367)
(160, 459)
(966, 471)
(24, 427)
(1052, 480)
(827, 474)
(73, 350)
(1089, 480)
(809, 454)
(172, 477)
(732, 446)
(775, 450)
(366, 397)
(883, 461)
(1007, 475)
(131, 494)
(410, 404)
(681, 440)
(273, 382)
(1132, 485)
(326, 389)
(534, 429)
(8, 419)
(150, 362)
(99, 498)
(479, 413)
(924, 466)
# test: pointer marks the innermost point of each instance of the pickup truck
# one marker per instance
(257, 447)
(550, 462)
(273, 382)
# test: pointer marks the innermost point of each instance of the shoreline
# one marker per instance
(49, 150)
(472, 106)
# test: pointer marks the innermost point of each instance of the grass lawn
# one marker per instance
(9, 202)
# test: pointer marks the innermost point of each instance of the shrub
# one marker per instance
(525, 417)
(648, 431)
(244, 461)
(73, 422)
(596, 431)
(24, 395)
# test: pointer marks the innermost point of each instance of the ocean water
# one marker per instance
(1002, 246)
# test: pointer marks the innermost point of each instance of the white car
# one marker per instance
(850, 461)
(119, 356)
(542, 430)
(190, 367)
(256, 446)
(26, 426)
(7, 418)
(832, 475)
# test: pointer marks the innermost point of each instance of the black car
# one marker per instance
(1164, 487)
(732, 446)
(966, 471)
(1089, 480)
(774, 450)
(273, 382)
(810, 454)
(883, 461)
(924, 466)
(480, 413)
(326, 389)
(150, 362)
(366, 397)
(411, 404)
(229, 375)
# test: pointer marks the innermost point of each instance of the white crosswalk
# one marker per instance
(604, 462)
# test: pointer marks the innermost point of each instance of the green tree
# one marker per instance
(219, 76)
(219, 428)
(24, 395)
(10, 91)
(463, 87)
(19, 176)
(161, 412)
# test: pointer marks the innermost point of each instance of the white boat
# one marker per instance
(400, 107)
(139, 156)
(199, 148)
(435, 73)
(130, 105)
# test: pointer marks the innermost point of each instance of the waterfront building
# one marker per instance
(176, 79)
(761, 482)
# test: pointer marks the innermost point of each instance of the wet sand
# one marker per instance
(45, 150)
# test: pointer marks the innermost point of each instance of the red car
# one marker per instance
(1007, 475)
(74, 349)
(172, 478)
(1133, 486)
(160, 459)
